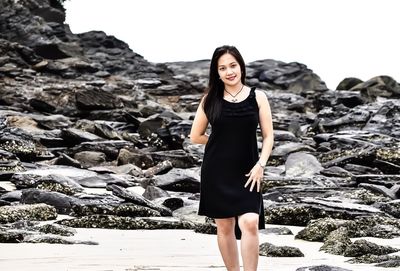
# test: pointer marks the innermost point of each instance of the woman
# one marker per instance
(232, 168)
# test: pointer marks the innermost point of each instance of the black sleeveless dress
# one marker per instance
(230, 153)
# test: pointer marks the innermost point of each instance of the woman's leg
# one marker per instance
(249, 245)
(227, 243)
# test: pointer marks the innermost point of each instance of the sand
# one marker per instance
(172, 250)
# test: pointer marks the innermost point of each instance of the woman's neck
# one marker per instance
(235, 88)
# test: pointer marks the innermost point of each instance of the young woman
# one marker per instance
(232, 167)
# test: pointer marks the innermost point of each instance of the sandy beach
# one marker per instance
(172, 250)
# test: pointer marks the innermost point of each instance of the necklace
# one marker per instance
(234, 96)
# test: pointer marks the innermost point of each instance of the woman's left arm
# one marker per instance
(267, 130)
(257, 172)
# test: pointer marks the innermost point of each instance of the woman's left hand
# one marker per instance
(255, 176)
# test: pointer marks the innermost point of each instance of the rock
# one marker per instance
(383, 86)
(180, 180)
(302, 165)
(282, 151)
(61, 202)
(54, 239)
(110, 148)
(362, 247)
(206, 228)
(360, 226)
(136, 157)
(348, 83)
(90, 158)
(321, 268)
(173, 203)
(66, 160)
(154, 192)
(381, 189)
(371, 258)
(270, 250)
(336, 171)
(356, 155)
(11, 237)
(124, 209)
(75, 136)
(337, 241)
(161, 167)
(280, 75)
(360, 170)
(391, 207)
(55, 229)
(301, 213)
(27, 212)
(102, 180)
(277, 231)
(106, 131)
(389, 263)
(58, 183)
(95, 99)
(319, 229)
(386, 180)
(138, 199)
(178, 158)
(125, 223)
(11, 196)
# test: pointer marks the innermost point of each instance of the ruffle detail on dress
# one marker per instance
(243, 108)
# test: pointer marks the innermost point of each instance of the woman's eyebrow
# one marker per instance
(234, 62)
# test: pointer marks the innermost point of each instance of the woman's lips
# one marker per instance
(231, 78)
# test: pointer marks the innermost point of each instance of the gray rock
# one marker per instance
(391, 207)
(302, 165)
(123, 209)
(90, 158)
(371, 258)
(336, 242)
(154, 192)
(319, 229)
(321, 268)
(125, 223)
(173, 203)
(181, 180)
(54, 239)
(11, 196)
(137, 157)
(362, 247)
(58, 183)
(61, 202)
(27, 212)
(138, 199)
(270, 250)
(178, 158)
(206, 228)
(277, 231)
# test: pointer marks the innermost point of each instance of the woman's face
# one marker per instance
(229, 70)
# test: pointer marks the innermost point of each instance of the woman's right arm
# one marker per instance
(198, 132)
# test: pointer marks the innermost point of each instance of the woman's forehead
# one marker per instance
(226, 59)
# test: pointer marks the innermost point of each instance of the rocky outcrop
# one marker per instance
(83, 113)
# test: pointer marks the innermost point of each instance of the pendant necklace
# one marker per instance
(234, 96)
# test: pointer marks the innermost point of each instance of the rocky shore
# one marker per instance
(91, 130)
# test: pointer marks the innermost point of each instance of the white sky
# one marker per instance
(334, 38)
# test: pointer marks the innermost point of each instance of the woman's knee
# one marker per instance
(249, 222)
(225, 226)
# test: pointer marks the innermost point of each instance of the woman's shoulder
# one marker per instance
(261, 96)
(260, 93)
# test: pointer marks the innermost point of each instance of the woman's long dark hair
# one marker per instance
(215, 90)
